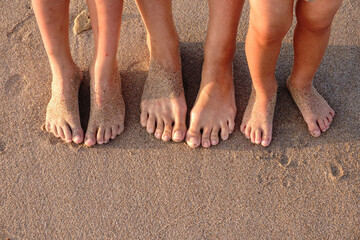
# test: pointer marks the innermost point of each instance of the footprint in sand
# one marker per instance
(336, 171)
(288, 181)
(13, 85)
(82, 22)
(2, 146)
(284, 161)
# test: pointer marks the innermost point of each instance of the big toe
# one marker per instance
(77, 135)
(90, 139)
(314, 128)
(193, 139)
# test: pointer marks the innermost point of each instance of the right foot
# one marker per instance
(163, 106)
(107, 109)
(258, 118)
(214, 110)
(62, 113)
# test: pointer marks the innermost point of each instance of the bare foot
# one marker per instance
(62, 113)
(163, 106)
(258, 118)
(316, 112)
(214, 110)
(107, 109)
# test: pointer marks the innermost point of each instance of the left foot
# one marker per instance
(315, 110)
(107, 109)
(214, 110)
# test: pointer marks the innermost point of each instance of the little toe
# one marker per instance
(120, 129)
(167, 132)
(332, 112)
(205, 138)
(150, 124)
(100, 135)
(231, 125)
(329, 118)
(143, 118)
(48, 127)
(114, 131)
(258, 136)
(266, 138)
(215, 135)
(224, 131)
(107, 135)
(159, 129)
(247, 132)
(313, 128)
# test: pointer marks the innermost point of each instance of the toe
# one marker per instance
(215, 135)
(224, 131)
(179, 131)
(313, 128)
(143, 118)
(90, 137)
(159, 128)
(48, 126)
(205, 138)
(60, 132)
(107, 135)
(150, 124)
(321, 124)
(167, 131)
(266, 137)
(67, 132)
(326, 123)
(332, 112)
(77, 134)
(247, 132)
(114, 131)
(253, 135)
(54, 130)
(193, 134)
(100, 135)
(120, 129)
(231, 125)
(329, 118)
(258, 136)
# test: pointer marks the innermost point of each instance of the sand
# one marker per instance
(138, 187)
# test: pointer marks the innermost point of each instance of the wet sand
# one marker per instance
(138, 187)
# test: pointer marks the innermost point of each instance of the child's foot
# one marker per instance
(107, 109)
(62, 113)
(258, 118)
(163, 106)
(214, 110)
(316, 112)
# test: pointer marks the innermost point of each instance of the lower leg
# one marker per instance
(107, 105)
(310, 41)
(163, 106)
(62, 117)
(214, 110)
(268, 26)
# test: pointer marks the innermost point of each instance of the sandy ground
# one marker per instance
(137, 187)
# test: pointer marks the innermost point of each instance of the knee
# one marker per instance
(319, 19)
(271, 31)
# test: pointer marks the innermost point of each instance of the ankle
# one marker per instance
(265, 94)
(300, 85)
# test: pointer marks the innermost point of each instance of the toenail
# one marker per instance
(265, 143)
(206, 144)
(316, 133)
(193, 141)
(177, 135)
(76, 138)
(257, 142)
(166, 138)
(214, 142)
(158, 135)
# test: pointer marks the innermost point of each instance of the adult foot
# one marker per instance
(258, 118)
(214, 110)
(315, 110)
(62, 113)
(163, 106)
(107, 108)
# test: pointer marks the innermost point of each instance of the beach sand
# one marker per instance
(138, 187)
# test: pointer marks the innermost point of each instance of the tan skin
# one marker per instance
(214, 111)
(268, 26)
(107, 107)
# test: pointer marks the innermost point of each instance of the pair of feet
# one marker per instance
(107, 106)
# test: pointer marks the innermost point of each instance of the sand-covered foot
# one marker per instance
(214, 110)
(62, 113)
(315, 110)
(163, 106)
(107, 108)
(258, 118)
